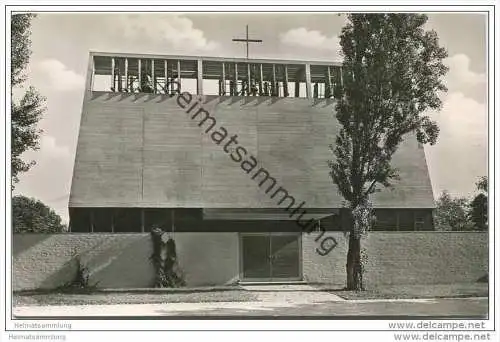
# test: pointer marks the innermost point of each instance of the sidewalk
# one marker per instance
(253, 299)
(458, 308)
(289, 293)
(263, 293)
(422, 291)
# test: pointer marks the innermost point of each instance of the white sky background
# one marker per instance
(61, 42)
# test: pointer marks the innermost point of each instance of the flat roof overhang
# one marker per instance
(266, 214)
(214, 59)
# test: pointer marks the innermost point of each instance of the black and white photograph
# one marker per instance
(258, 168)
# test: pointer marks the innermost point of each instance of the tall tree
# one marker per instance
(391, 74)
(26, 112)
(479, 206)
(451, 213)
(32, 216)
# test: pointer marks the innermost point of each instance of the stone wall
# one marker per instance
(402, 258)
(122, 260)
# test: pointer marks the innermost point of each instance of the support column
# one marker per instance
(261, 80)
(139, 73)
(165, 85)
(236, 78)
(249, 76)
(274, 90)
(223, 79)
(153, 79)
(126, 74)
(297, 76)
(112, 73)
(308, 81)
(179, 86)
(199, 88)
(285, 85)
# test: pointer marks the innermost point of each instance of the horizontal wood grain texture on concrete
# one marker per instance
(207, 259)
(143, 150)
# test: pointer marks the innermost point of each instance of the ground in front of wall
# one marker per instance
(457, 300)
(118, 298)
(418, 291)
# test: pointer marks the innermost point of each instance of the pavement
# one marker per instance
(272, 301)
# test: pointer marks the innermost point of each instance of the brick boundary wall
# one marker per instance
(122, 260)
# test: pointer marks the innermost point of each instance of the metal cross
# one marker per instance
(247, 41)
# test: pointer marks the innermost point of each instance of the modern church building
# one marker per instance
(231, 157)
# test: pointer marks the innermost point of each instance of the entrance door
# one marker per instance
(270, 256)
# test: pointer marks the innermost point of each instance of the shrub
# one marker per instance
(81, 281)
(164, 259)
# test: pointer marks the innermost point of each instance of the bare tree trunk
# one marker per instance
(354, 276)
(360, 222)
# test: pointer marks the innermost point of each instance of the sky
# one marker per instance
(61, 43)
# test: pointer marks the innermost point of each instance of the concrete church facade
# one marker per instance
(230, 156)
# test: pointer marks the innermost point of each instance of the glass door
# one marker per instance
(270, 257)
(285, 257)
(255, 254)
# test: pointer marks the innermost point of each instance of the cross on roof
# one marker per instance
(247, 41)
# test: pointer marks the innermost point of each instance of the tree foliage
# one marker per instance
(32, 216)
(451, 213)
(21, 46)
(26, 112)
(391, 74)
(479, 212)
(482, 184)
(479, 206)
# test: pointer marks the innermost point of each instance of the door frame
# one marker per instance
(269, 279)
